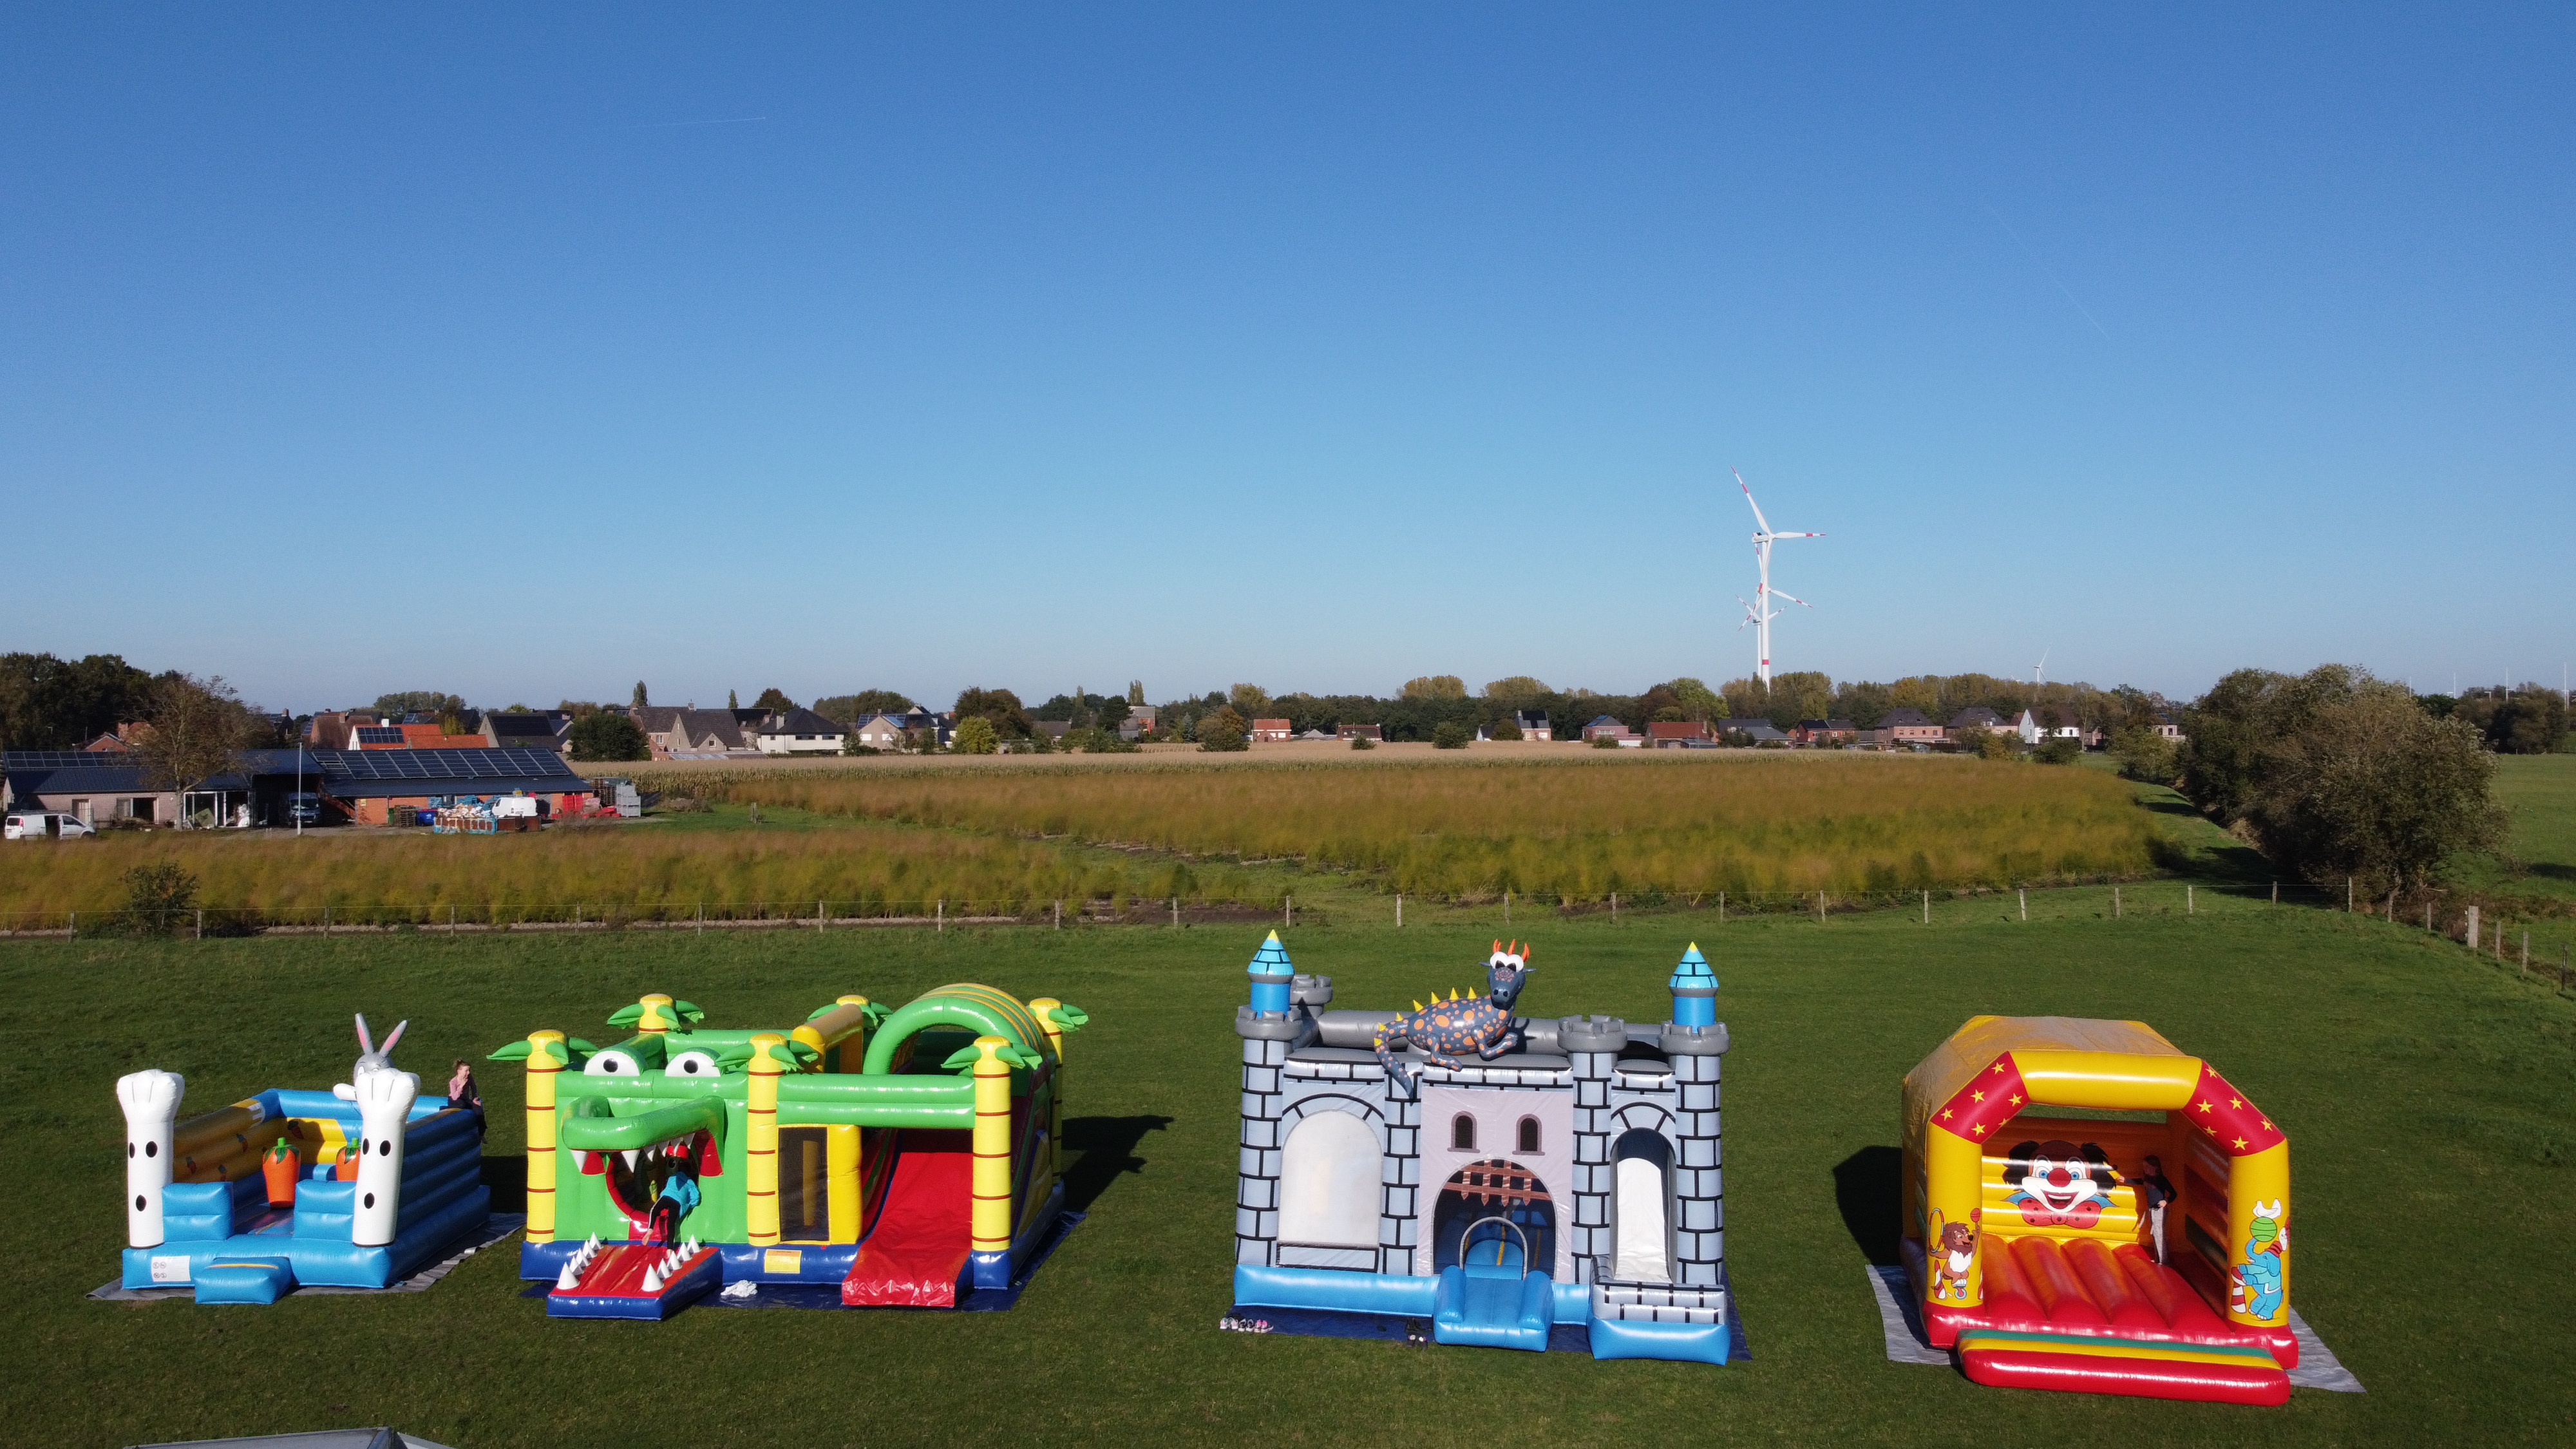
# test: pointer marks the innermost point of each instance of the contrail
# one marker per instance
(2043, 267)
(665, 125)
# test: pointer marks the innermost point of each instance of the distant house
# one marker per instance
(1533, 725)
(1609, 727)
(879, 732)
(1313, 735)
(693, 734)
(95, 786)
(1904, 727)
(1825, 732)
(2169, 727)
(433, 735)
(1763, 732)
(524, 731)
(1361, 732)
(1270, 731)
(1675, 734)
(796, 732)
(1742, 726)
(1976, 719)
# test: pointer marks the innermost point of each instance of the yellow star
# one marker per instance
(1979, 1129)
(2240, 1144)
(1980, 1096)
(1945, 1114)
(2237, 1103)
(2268, 1127)
(1999, 1069)
(2204, 1106)
(2016, 1099)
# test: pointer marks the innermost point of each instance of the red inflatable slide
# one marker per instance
(918, 1249)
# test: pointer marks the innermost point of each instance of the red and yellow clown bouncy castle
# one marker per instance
(2147, 1254)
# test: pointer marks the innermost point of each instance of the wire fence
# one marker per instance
(2485, 928)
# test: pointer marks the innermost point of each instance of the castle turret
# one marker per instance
(1271, 1025)
(1694, 989)
(1271, 973)
(1695, 1042)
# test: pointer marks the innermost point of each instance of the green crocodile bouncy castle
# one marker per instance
(908, 1157)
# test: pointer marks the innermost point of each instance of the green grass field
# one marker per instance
(2428, 1096)
(2540, 792)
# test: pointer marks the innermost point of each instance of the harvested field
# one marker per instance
(1575, 826)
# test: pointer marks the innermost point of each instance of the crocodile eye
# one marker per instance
(611, 1063)
(694, 1064)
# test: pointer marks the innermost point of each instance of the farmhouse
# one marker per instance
(1608, 727)
(1375, 733)
(797, 732)
(1676, 734)
(97, 786)
(390, 787)
(1270, 731)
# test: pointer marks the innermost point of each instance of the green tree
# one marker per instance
(1224, 732)
(603, 735)
(1517, 691)
(1451, 735)
(1249, 700)
(199, 729)
(2058, 751)
(642, 699)
(2145, 755)
(851, 708)
(2373, 788)
(54, 704)
(419, 701)
(160, 899)
(775, 700)
(1698, 701)
(1434, 686)
(1660, 703)
(1504, 728)
(1991, 744)
(732, 700)
(974, 735)
(999, 708)
(1135, 691)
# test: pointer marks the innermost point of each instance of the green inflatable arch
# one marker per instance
(981, 1009)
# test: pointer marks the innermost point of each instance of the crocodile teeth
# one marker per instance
(569, 1278)
(630, 1155)
(652, 1281)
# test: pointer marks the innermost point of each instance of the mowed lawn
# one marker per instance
(2428, 1097)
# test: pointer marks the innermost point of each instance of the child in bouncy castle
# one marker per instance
(678, 1198)
(461, 1092)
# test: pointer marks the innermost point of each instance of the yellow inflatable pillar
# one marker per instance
(2258, 1227)
(542, 1067)
(1952, 1193)
(1043, 1008)
(990, 1232)
(658, 1017)
(838, 1035)
(760, 1154)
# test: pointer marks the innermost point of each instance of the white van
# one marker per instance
(38, 823)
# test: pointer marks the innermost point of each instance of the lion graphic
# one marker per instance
(1952, 1257)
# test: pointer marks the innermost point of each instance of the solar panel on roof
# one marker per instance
(443, 764)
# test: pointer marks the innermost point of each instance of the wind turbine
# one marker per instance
(2036, 671)
(1758, 611)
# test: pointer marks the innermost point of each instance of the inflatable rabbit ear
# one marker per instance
(366, 1046)
(391, 1037)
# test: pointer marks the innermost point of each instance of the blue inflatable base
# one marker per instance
(1341, 1303)
(315, 1262)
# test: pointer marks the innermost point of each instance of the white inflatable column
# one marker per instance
(384, 1107)
(151, 1103)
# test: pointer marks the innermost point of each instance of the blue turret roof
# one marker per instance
(1693, 972)
(1271, 959)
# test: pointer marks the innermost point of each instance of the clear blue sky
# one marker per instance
(526, 351)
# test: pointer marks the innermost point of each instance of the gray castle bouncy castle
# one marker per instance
(1564, 1193)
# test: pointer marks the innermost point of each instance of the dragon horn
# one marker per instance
(1498, 944)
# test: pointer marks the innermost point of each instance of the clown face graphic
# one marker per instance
(2060, 1185)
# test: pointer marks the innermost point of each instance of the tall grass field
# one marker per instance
(650, 871)
(1576, 829)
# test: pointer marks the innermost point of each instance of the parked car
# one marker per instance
(37, 824)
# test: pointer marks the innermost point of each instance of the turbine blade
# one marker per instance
(1748, 498)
